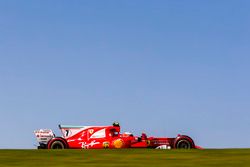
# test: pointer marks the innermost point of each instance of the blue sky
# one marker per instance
(160, 67)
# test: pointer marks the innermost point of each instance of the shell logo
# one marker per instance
(118, 143)
(148, 142)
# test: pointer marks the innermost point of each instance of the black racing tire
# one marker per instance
(57, 144)
(183, 144)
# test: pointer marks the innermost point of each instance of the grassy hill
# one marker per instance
(125, 157)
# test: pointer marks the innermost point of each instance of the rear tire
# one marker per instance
(57, 144)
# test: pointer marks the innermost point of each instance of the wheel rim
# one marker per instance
(57, 145)
(184, 144)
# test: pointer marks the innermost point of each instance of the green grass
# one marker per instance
(125, 157)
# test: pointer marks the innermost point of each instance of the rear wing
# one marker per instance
(44, 135)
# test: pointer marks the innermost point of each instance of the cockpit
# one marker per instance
(113, 133)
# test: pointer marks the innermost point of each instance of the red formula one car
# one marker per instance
(98, 137)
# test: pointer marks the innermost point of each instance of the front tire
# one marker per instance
(184, 142)
(57, 144)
